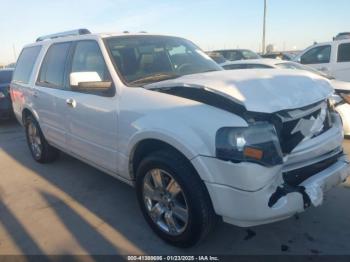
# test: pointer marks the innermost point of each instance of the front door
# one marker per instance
(92, 117)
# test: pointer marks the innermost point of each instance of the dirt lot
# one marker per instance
(69, 207)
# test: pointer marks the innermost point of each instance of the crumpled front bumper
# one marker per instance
(247, 194)
(247, 208)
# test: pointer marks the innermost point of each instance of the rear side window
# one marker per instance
(5, 77)
(344, 53)
(25, 64)
(53, 66)
(317, 55)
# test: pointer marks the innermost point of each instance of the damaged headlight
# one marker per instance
(257, 143)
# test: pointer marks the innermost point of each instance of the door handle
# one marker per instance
(35, 94)
(71, 102)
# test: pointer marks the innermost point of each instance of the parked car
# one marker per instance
(332, 58)
(341, 98)
(197, 142)
(237, 54)
(5, 99)
(278, 55)
(218, 58)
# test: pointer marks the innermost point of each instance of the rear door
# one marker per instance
(341, 68)
(50, 93)
(92, 116)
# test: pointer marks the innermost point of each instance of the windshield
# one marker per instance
(148, 59)
(292, 65)
(247, 54)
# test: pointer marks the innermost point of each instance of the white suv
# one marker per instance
(197, 142)
(332, 58)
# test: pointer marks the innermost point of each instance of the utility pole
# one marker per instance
(264, 29)
(14, 52)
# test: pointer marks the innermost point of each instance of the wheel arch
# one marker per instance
(28, 112)
(146, 146)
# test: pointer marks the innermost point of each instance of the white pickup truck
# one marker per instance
(197, 142)
(332, 58)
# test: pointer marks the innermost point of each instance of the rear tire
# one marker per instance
(164, 211)
(41, 151)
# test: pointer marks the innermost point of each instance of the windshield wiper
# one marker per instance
(154, 78)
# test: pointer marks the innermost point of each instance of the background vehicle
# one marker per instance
(341, 99)
(237, 54)
(332, 58)
(342, 36)
(278, 55)
(218, 58)
(136, 106)
(5, 99)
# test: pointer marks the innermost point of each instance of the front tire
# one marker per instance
(41, 151)
(173, 199)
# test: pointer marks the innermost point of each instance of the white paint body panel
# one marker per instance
(260, 90)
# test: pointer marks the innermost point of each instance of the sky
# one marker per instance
(291, 24)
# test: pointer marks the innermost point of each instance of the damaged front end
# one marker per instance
(297, 152)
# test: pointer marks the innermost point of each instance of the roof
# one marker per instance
(91, 36)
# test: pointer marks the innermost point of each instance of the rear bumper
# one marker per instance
(244, 208)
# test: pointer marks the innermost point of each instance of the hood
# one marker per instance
(265, 91)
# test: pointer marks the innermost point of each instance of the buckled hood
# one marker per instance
(265, 91)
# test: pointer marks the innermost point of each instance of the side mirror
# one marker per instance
(88, 82)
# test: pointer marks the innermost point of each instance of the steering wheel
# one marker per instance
(185, 67)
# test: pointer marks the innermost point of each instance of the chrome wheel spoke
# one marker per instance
(151, 192)
(157, 211)
(169, 220)
(180, 212)
(173, 188)
(157, 178)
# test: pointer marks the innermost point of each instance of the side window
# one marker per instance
(25, 64)
(344, 53)
(88, 58)
(317, 55)
(53, 66)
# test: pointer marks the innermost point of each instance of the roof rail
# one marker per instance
(82, 31)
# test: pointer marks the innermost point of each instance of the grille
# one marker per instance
(294, 130)
(297, 176)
